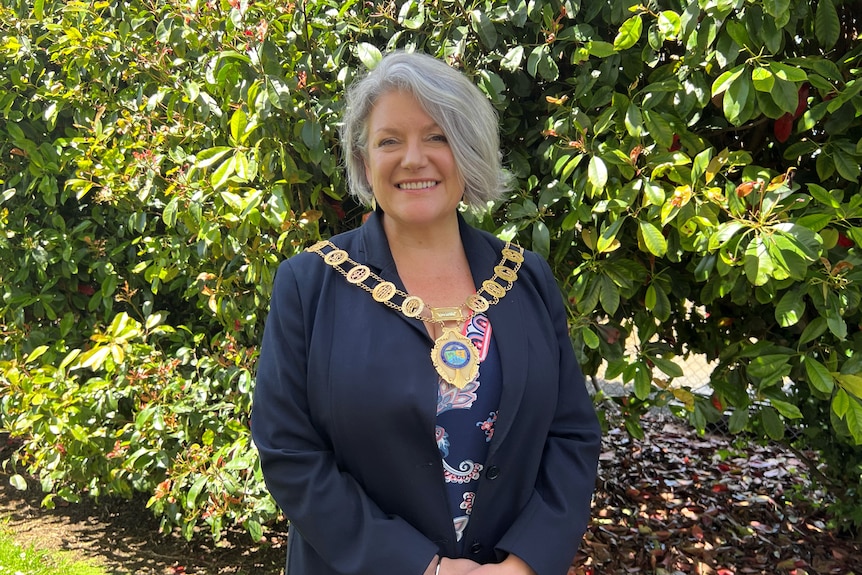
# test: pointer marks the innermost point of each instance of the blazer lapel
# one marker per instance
(507, 321)
(375, 249)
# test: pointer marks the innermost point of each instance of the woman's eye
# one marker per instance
(386, 142)
(439, 138)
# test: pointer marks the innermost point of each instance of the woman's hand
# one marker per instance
(512, 565)
(451, 566)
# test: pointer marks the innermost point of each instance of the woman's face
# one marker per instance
(409, 163)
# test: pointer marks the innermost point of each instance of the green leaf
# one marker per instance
(659, 128)
(643, 380)
(483, 26)
(609, 235)
(609, 296)
(511, 62)
(790, 308)
(724, 233)
(669, 24)
(656, 301)
(600, 49)
(786, 409)
(368, 54)
(591, 340)
(772, 423)
(653, 238)
(738, 421)
(634, 121)
(195, 491)
(854, 420)
(818, 376)
(668, 367)
(597, 173)
(169, 214)
(762, 79)
(785, 95)
(238, 123)
(541, 239)
(778, 9)
(820, 194)
(758, 264)
(412, 22)
(206, 158)
(827, 26)
(851, 383)
(815, 328)
(18, 482)
(725, 79)
(841, 403)
(255, 529)
(737, 101)
(629, 33)
(846, 165)
(222, 174)
(788, 73)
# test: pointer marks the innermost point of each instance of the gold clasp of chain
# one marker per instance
(444, 314)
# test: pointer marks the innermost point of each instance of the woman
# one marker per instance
(480, 458)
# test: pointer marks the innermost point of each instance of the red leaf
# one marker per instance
(783, 127)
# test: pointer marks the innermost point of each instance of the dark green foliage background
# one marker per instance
(690, 169)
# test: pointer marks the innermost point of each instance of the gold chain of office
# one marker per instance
(385, 292)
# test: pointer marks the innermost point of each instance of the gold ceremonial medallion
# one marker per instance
(455, 358)
(477, 303)
(412, 306)
(358, 274)
(318, 246)
(383, 291)
(336, 257)
(493, 288)
(513, 255)
(505, 273)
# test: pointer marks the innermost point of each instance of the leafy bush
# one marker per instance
(691, 171)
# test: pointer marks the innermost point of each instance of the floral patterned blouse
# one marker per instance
(465, 423)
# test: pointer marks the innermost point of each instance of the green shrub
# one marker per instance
(691, 171)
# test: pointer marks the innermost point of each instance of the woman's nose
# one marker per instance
(414, 155)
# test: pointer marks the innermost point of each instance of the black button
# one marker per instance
(475, 547)
(493, 472)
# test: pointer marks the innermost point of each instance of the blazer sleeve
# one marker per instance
(549, 529)
(330, 510)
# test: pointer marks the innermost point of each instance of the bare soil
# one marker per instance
(674, 503)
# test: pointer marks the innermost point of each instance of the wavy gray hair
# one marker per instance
(465, 115)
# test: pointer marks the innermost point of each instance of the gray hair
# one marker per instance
(465, 115)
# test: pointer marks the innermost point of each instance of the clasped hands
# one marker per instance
(512, 565)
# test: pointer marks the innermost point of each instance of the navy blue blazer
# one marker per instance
(345, 410)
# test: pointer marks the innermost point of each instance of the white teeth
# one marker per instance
(417, 185)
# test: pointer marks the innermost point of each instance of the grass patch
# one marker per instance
(18, 560)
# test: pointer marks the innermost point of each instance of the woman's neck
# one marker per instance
(437, 241)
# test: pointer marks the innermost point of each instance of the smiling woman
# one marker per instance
(409, 163)
(418, 405)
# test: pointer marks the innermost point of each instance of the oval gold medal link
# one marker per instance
(358, 274)
(477, 303)
(506, 273)
(336, 257)
(513, 255)
(318, 246)
(494, 289)
(383, 291)
(412, 306)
